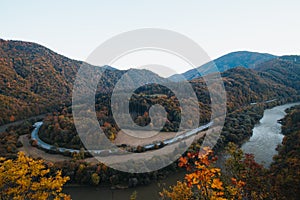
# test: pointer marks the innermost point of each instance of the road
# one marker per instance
(176, 139)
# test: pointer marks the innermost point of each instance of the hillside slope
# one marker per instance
(284, 70)
(245, 86)
(35, 80)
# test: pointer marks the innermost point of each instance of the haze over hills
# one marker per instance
(35, 80)
(245, 59)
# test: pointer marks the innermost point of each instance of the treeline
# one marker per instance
(81, 172)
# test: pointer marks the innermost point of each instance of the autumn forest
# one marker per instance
(36, 85)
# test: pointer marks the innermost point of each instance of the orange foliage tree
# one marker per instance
(204, 181)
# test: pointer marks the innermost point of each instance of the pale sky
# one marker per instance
(76, 28)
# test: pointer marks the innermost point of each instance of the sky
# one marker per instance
(76, 28)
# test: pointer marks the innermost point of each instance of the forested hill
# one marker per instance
(284, 70)
(245, 59)
(35, 80)
(245, 86)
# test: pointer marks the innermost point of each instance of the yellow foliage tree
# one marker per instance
(180, 191)
(26, 178)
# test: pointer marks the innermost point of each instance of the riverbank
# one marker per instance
(286, 165)
(144, 192)
(267, 135)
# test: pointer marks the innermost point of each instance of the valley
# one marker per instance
(35, 80)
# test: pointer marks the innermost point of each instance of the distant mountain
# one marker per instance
(35, 80)
(235, 59)
(283, 70)
(109, 67)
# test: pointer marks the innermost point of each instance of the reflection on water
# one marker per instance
(267, 135)
(148, 192)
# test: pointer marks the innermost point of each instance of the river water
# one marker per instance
(148, 192)
(267, 135)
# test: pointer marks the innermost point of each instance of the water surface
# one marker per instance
(147, 192)
(267, 135)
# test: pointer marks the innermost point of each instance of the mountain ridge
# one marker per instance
(36, 80)
(245, 59)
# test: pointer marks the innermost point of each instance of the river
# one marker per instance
(148, 192)
(267, 135)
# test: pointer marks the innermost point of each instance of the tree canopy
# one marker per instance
(26, 178)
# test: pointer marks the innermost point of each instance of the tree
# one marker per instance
(133, 196)
(242, 167)
(205, 177)
(81, 153)
(12, 118)
(95, 179)
(26, 178)
(204, 182)
(180, 191)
